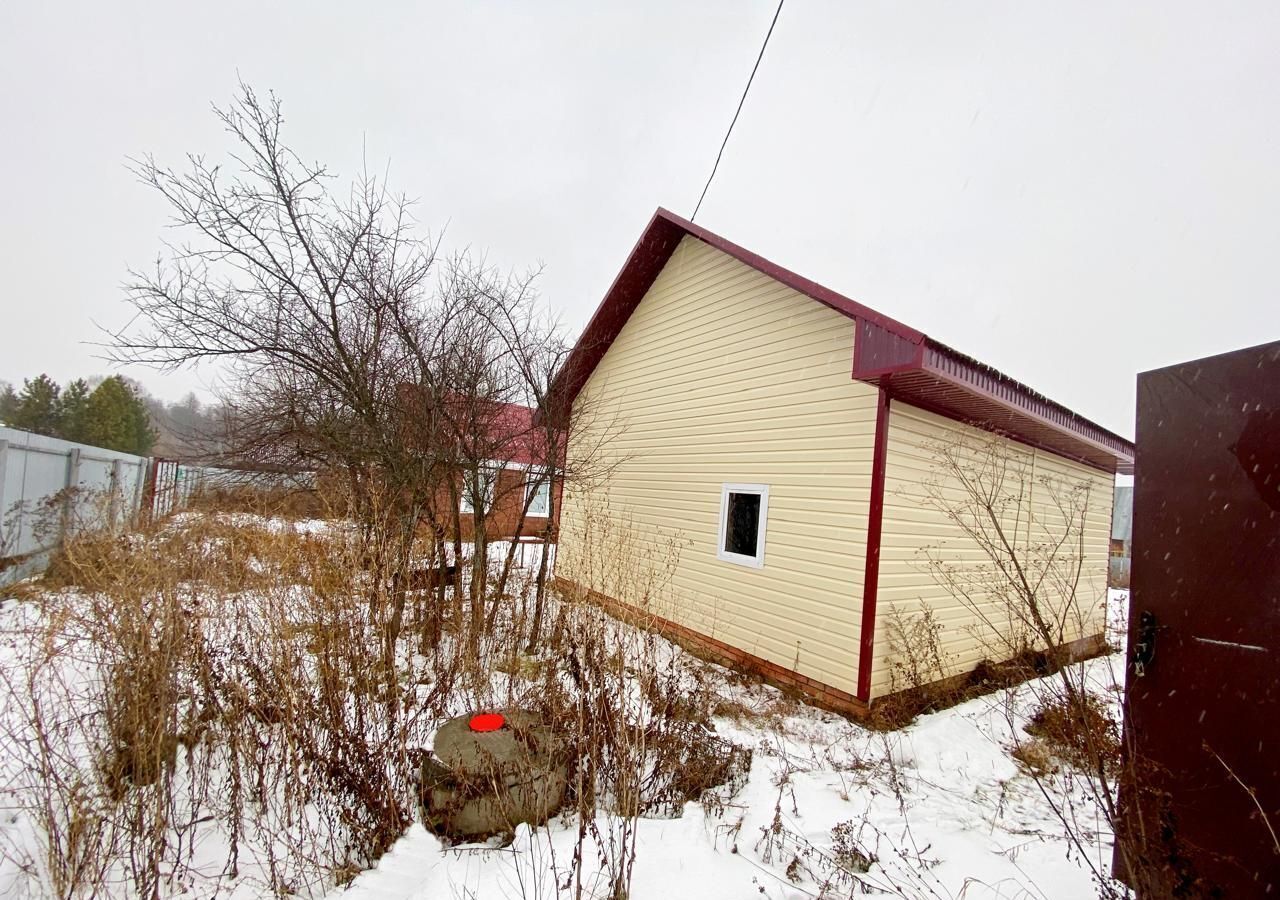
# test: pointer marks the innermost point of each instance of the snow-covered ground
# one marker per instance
(941, 807)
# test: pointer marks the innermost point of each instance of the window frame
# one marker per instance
(761, 490)
(535, 481)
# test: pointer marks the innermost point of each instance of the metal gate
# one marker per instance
(1203, 690)
(168, 487)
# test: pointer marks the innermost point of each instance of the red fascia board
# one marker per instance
(979, 373)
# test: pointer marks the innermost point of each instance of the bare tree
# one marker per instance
(356, 348)
(352, 345)
(541, 360)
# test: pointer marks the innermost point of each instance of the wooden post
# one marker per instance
(149, 492)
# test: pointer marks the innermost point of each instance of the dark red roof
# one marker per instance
(521, 441)
(488, 429)
(907, 363)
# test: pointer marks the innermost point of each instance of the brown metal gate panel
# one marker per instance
(1202, 701)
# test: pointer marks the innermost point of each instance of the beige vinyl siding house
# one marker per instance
(724, 376)
(761, 445)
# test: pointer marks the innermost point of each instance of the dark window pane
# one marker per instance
(743, 525)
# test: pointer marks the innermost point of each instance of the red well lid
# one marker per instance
(487, 722)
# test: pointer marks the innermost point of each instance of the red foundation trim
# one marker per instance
(706, 647)
(808, 689)
(871, 575)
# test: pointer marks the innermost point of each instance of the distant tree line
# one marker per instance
(190, 429)
(111, 414)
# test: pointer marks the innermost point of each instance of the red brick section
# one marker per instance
(809, 689)
(508, 501)
(871, 575)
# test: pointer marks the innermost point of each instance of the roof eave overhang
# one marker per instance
(928, 374)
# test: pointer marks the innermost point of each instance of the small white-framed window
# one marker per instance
(477, 485)
(537, 494)
(744, 512)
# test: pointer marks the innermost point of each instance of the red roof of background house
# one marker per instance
(906, 363)
(523, 441)
(492, 429)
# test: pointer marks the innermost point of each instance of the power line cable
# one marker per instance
(738, 111)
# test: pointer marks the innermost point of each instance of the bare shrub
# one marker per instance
(1077, 732)
(846, 849)
(915, 646)
(1031, 591)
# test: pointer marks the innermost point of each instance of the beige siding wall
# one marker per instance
(724, 375)
(1036, 485)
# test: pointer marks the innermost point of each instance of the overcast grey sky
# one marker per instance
(1072, 192)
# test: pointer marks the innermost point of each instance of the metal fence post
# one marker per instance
(73, 478)
(139, 486)
(4, 460)
(113, 504)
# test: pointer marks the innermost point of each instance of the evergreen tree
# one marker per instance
(117, 418)
(8, 403)
(73, 407)
(38, 408)
(144, 433)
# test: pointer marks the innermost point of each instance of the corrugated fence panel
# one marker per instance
(35, 471)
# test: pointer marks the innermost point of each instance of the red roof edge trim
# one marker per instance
(936, 377)
(878, 351)
(798, 283)
(923, 371)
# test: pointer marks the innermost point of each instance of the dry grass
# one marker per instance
(237, 688)
(901, 709)
(1036, 756)
(1079, 731)
(232, 682)
(278, 502)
